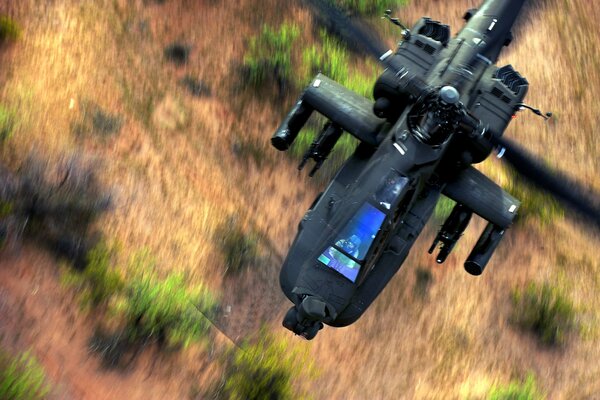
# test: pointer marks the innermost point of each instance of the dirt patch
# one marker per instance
(37, 313)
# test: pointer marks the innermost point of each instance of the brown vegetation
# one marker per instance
(179, 168)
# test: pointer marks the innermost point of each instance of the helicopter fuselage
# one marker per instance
(438, 99)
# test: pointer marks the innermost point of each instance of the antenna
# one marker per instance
(536, 111)
(388, 15)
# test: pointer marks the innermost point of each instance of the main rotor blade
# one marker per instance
(564, 189)
(351, 31)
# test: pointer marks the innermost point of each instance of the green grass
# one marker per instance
(331, 58)
(534, 203)
(165, 309)
(369, 7)
(99, 282)
(265, 370)
(516, 390)
(7, 124)
(340, 153)
(9, 29)
(22, 378)
(271, 58)
(269, 55)
(142, 307)
(545, 311)
(442, 210)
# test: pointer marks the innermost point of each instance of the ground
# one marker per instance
(179, 166)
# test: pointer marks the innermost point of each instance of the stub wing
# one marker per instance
(483, 196)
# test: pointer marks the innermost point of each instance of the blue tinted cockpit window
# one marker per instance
(358, 234)
(354, 241)
(343, 264)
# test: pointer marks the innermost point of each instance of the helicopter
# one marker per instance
(440, 106)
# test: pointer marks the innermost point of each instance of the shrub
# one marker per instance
(166, 310)
(545, 311)
(54, 204)
(98, 281)
(331, 58)
(369, 7)
(264, 370)
(534, 203)
(516, 390)
(269, 56)
(95, 120)
(59, 202)
(7, 124)
(424, 279)
(22, 378)
(238, 245)
(177, 53)
(9, 29)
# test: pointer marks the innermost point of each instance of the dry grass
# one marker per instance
(177, 179)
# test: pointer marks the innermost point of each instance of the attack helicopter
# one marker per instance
(440, 106)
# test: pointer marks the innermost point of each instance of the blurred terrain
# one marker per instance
(155, 96)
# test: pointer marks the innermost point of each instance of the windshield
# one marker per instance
(352, 244)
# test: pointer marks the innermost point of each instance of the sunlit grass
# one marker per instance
(269, 56)
(7, 124)
(265, 369)
(517, 390)
(22, 378)
(369, 7)
(9, 29)
(545, 311)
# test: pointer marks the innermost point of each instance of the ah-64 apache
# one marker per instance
(441, 105)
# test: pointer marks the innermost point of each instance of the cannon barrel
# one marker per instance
(483, 250)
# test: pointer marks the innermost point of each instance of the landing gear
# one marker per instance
(305, 319)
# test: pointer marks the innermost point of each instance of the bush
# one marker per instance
(9, 29)
(545, 311)
(269, 56)
(424, 279)
(331, 58)
(166, 310)
(238, 245)
(95, 120)
(58, 204)
(369, 7)
(534, 203)
(7, 124)
(177, 53)
(516, 390)
(264, 370)
(22, 378)
(53, 203)
(98, 281)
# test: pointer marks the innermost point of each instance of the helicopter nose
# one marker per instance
(449, 95)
